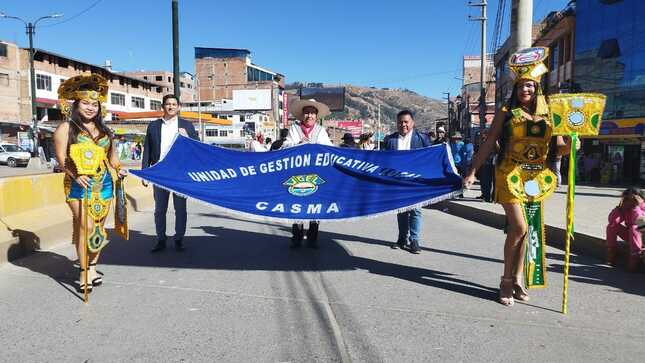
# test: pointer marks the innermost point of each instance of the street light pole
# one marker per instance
(378, 129)
(31, 30)
(448, 123)
(199, 110)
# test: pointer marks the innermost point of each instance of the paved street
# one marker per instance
(239, 294)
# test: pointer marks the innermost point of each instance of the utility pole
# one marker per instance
(378, 129)
(482, 68)
(448, 123)
(175, 47)
(521, 25)
(31, 30)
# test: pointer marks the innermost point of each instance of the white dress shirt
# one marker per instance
(169, 130)
(404, 141)
(318, 135)
(256, 146)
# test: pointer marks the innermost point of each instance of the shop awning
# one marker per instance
(192, 116)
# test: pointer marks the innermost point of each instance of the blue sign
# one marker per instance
(306, 182)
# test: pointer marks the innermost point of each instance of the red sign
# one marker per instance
(355, 127)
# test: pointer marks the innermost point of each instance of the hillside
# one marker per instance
(362, 102)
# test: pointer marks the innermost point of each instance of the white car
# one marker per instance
(12, 155)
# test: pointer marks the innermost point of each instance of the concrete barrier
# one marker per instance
(34, 215)
(33, 209)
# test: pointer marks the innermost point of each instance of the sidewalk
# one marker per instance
(592, 205)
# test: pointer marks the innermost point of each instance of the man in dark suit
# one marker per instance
(159, 138)
(407, 138)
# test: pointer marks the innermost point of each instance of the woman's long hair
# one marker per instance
(514, 100)
(76, 124)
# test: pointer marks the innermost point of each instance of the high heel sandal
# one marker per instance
(81, 283)
(506, 291)
(96, 278)
(519, 293)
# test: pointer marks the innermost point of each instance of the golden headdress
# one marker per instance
(84, 87)
(528, 64)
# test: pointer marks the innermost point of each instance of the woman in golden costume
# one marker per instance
(523, 129)
(84, 127)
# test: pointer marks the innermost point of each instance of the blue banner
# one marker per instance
(306, 182)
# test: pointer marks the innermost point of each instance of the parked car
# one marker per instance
(13, 155)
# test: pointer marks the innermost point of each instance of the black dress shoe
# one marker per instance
(298, 234)
(160, 246)
(179, 246)
(398, 244)
(414, 247)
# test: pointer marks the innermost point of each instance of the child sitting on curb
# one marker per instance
(623, 222)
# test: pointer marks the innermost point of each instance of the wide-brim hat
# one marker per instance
(348, 136)
(298, 105)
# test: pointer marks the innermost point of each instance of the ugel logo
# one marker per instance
(303, 185)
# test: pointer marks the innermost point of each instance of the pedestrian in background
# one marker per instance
(441, 136)
(407, 138)
(348, 141)
(277, 145)
(486, 171)
(432, 136)
(458, 150)
(365, 141)
(257, 144)
(623, 223)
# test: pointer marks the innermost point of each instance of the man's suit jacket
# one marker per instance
(152, 144)
(418, 141)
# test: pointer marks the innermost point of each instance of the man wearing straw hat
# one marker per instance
(306, 130)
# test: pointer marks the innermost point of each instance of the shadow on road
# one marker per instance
(59, 268)
(591, 271)
(233, 249)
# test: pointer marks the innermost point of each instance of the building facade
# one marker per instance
(126, 94)
(467, 104)
(610, 59)
(229, 74)
(166, 80)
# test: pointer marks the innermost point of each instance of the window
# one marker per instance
(145, 77)
(43, 82)
(211, 132)
(4, 79)
(159, 78)
(117, 99)
(138, 102)
(169, 80)
(3, 50)
(182, 84)
(155, 105)
(256, 75)
(554, 57)
(223, 133)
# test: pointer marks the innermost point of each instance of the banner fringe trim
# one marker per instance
(291, 221)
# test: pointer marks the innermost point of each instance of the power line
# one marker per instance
(73, 16)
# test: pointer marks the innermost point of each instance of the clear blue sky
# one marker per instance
(414, 44)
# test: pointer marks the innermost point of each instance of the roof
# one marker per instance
(203, 52)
